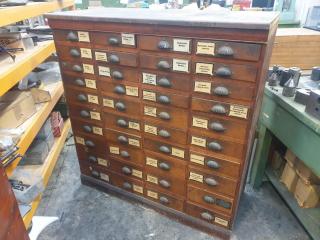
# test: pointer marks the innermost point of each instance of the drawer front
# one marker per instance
(215, 165)
(116, 73)
(128, 154)
(167, 64)
(209, 216)
(78, 69)
(166, 149)
(129, 170)
(74, 53)
(86, 128)
(79, 82)
(89, 114)
(121, 89)
(165, 98)
(123, 139)
(116, 58)
(90, 143)
(82, 97)
(228, 50)
(129, 184)
(120, 123)
(229, 71)
(158, 132)
(72, 37)
(166, 165)
(210, 200)
(98, 173)
(114, 40)
(220, 108)
(211, 182)
(173, 117)
(92, 157)
(165, 199)
(165, 44)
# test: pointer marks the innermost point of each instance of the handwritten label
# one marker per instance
(149, 78)
(137, 188)
(103, 162)
(101, 56)
(114, 150)
(204, 68)
(104, 177)
(108, 103)
(152, 194)
(86, 53)
(132, 91)
(152, 179)
(180, 65)
(181, 45)
(203, 87)
(238, 111)
(134, 142)
(196, 177)
(152, 162)
(88, 68)
(83, 36)
(136, 173)
(177, 152)
(200, 122)
(150, 111)
(221, 221)
(80, 140)
(97, 130)
(134, 125)
(90, 83)
(104, 71)
(93, 99)
(150, 129)
(198, 141)
(148, 95)
(95, 115)
(206, 48)
(197, 159)
(128, 39)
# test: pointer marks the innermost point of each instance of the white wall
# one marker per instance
(302, 7)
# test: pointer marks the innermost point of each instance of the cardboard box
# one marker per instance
(15, 108)
(305, 174)
(307, 195)
(290, 157)
(289, 177)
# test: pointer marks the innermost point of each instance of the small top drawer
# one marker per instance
(229, 50)
(121, 40)
(116, 58)
(72, 36)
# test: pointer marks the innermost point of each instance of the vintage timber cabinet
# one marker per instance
(164, 104)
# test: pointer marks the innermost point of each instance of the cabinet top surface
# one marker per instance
(174, 17)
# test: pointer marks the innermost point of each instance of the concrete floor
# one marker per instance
(86, 213)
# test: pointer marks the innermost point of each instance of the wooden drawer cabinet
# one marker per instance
(164, 104)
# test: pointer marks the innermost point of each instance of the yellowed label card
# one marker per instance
(104, 71)
(197, 159)
(150, 111)
(177, 152)
(196, 177)
(238, 111)
(95, 115)
(181, 45)
(134, 125)
(83, 36)
(180, 65)
(134, 142)
(90, 83)
(136, 173)
(86, 53)
(152, 194)
(128, 39)
(80, 140)
(103, 162)
(150, 129)
(204, 68)
(97, 130)
(206, 48)
(93, 99)
(132, 91)
(199, 122)
(148, 95)
(114, 150)
(151, 162)
(149, 78)
(221, 221)
(104, 177)
(108, 102)
(101, 56)
(137, 188)
(198, 141)
(152, 179)
(203, 87)
(88, 68)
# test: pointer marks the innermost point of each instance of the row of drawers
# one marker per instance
(131, 42)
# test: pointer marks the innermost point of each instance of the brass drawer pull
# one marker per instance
(127, 185)
(164, 133)
(164, 116)
(223, 72)
(123, 139)
(95, 174)
(74, 52)
(164, 99)
(89, 143)
(120, 106)
(79, 82)
(216, 126)
(119, 89)
(77, 68)
(164, 45)
(114, 58)
(87, 128)
(164, 200)
(71, 36)
(213, 164)
(165, 149)
(219, 109)
(113, 41)
(117, 75)
(84, 114)
(122, 123)
(211, 181)
(206, 216)
(163, 65)
(124, 154)
(225, 51)
(208, 199)
(164, 82)
(164, 183)
(164, 166)
(126, 170)
(92, 159)
(82, 98)
(215, 146)
(221, 91)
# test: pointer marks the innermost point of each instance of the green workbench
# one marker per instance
(286, 120)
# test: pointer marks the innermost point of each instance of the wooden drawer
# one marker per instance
(210, 216)
(165, 98)
(129, 184)
(116, 73)
(90, 143)
(166, 165)
(75, 53)
(123, 139)
(72, 37)
(166, 81)
(165, 44)
(211, 182)
(219, 126)
(221, 108)
(113, 40)
(92, 157)
(97, 172)
(210, 200)
(78, 68)
(121, 89)
(165, 199)
(165, 63)
(86, 128)
(120, 123)
(173, 117)
(90, 114)
(116, 58)
(227, 50)
(166, 149)
(127, 169)
(82, 97)
(123, 105)
(125, 153)
(80, 82)
(215, 165)
(161, 133)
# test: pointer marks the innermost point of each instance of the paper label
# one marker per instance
(204, 87)
(148, 95)
(132, 91)
(180, 65)
(86, 53)
(93, 99)
(136, 173)
(88, 68)
(95, 115)
(150, 129)
(196, 177)
(152, 194)
(197, 159)
(221, 221)
(137, 189)
(97, 130)
(80, 140)
(199, 122)
(198, 141)
(134, 125)
(177, 152)
(83, 36)
(149, 78)
(152, 179)
(101, 56)
(127, 39)
(104, 71)
(108, 103)
(206, 48)
(90, 83)
(204, 68)
(152, 162)
(114, 150)
(181, 45)
(104, 177)
(150, 111)
(134, 142)
(103, 162)
(238, 111)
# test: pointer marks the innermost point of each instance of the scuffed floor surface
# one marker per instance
(88, 214)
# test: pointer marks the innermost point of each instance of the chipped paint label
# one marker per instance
(197, 159)
(83, 36)
(134, 142)
(132, 91)
(90, 83)
(103, 162)
(149, 78)
(221, 221)
(134, 125)
(101, 56)
(200, 122)
(108, 103)
(181, 45)
(180, 65)
(150, 111)
(80, 140)
(152, 179)
(97, 130)
(137, 188)
(150, 129)
(136, 173)
(148, 95)
(196, 177)
(104, 71)
(86, 53)
(177, 152)
(152, 162)
(152, 194)
(95, 115)
(238, 111)
(128, 39)
(88, 68)
(202, 142)
(203, 87)
(204, 68)
(114, 150)
(206, 48)
(93, 99)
